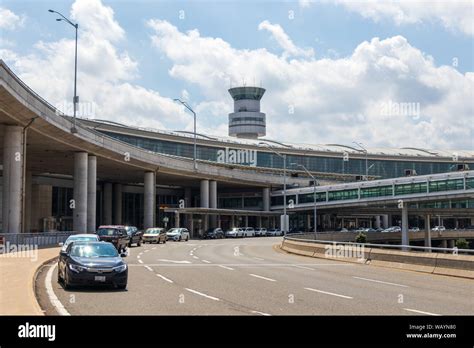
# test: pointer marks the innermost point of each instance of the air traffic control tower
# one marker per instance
(247, 121)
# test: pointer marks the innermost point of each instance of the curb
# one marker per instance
(35, 276)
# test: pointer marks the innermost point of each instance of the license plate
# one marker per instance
(99, 278)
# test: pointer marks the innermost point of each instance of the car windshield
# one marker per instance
(107, 232)
(152, 231)
(81, 238)
(94, 250)
(174, 230)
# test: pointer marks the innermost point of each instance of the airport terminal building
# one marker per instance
(111, 173)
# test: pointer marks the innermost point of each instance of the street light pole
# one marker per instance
(314, 197)
(285, 226)
(194, 114)
(76, 98)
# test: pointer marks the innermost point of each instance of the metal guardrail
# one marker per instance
(382, 246)
(39, 239)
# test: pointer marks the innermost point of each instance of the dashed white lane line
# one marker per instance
(259, 258)
(195, 257)
(140, 261)
(225, 267)
(205, 261)
(382, 282)
(203, 295)
(420, 312)
(50, 292)
(329, 293)
(147, 250)
(303, 267)
(261, 277)
(164, 278)
(153, 248)
(174, 261)
(149, 268)
(138, 257)
(261, 313)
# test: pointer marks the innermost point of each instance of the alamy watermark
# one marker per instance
(349, 251)
(84, 109)
(240, 156)
(19, 251)
(392, 108)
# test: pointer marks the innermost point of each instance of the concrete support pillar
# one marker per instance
(213, 201)
(28, 197)
(176, 219)
(149, 200)
(232, 221)
(13, 161)
(444, 243)
(428, 232)
(259, 221)
(118, 204)
(204, 196)
(246, 221)
(377, 221)
(191, 225)
(107, 204)
(79, 219)
(188, 197)
(405, 237)
(385, 221)
(91, 193)
(219, 221)
(451, 243)
(266, 198)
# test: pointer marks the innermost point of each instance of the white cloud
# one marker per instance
(284, 40)
(334, 100)
(105, 74)
(456, 15)
(10, 20)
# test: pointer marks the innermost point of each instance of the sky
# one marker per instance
(383, 73)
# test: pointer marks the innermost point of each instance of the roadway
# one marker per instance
(251, 277)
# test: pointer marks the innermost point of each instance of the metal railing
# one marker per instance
(381, 246)
(39, 239)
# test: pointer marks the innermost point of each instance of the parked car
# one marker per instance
(260, 232)
(392, 229)
(83, 237)
(439, 228)
(274, 232)
(92, 263)
(249, 232)
(135, 235)
(234, 232)
(178, 234)
(414, 229)
(117, 235)
(213, 233)
(154, 235)
(379, 229)
(369, 230)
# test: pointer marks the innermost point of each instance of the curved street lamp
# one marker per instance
(189, 108)
(76, 98)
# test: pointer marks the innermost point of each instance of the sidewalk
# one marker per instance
(16, 281)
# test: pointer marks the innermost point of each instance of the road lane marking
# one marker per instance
(225, 267)
(303, 267)
(174, 261)
(153, 248)
(148, 268)
(261, 277)
(382, 282)
(259, 258)
(138, 257)
(329, 293)
(421, 312)
(140, 261)
(261, 313)
(249, 265)
(201, 294)
(50, 292)
(164, 278)
(195, 257)
(206, 261)
(147, 250)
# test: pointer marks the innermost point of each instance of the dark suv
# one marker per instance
(135, 235)
(117, 235)
(213, 233)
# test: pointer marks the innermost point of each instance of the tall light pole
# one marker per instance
(314, 197)
(285, 225)
(366, 159)
(189, 108)
(76, 98)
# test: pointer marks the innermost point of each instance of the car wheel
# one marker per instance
(139, 243)
(164, 241)
(187, 238)
(59, 277)
(66, 284)
(179, 240)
